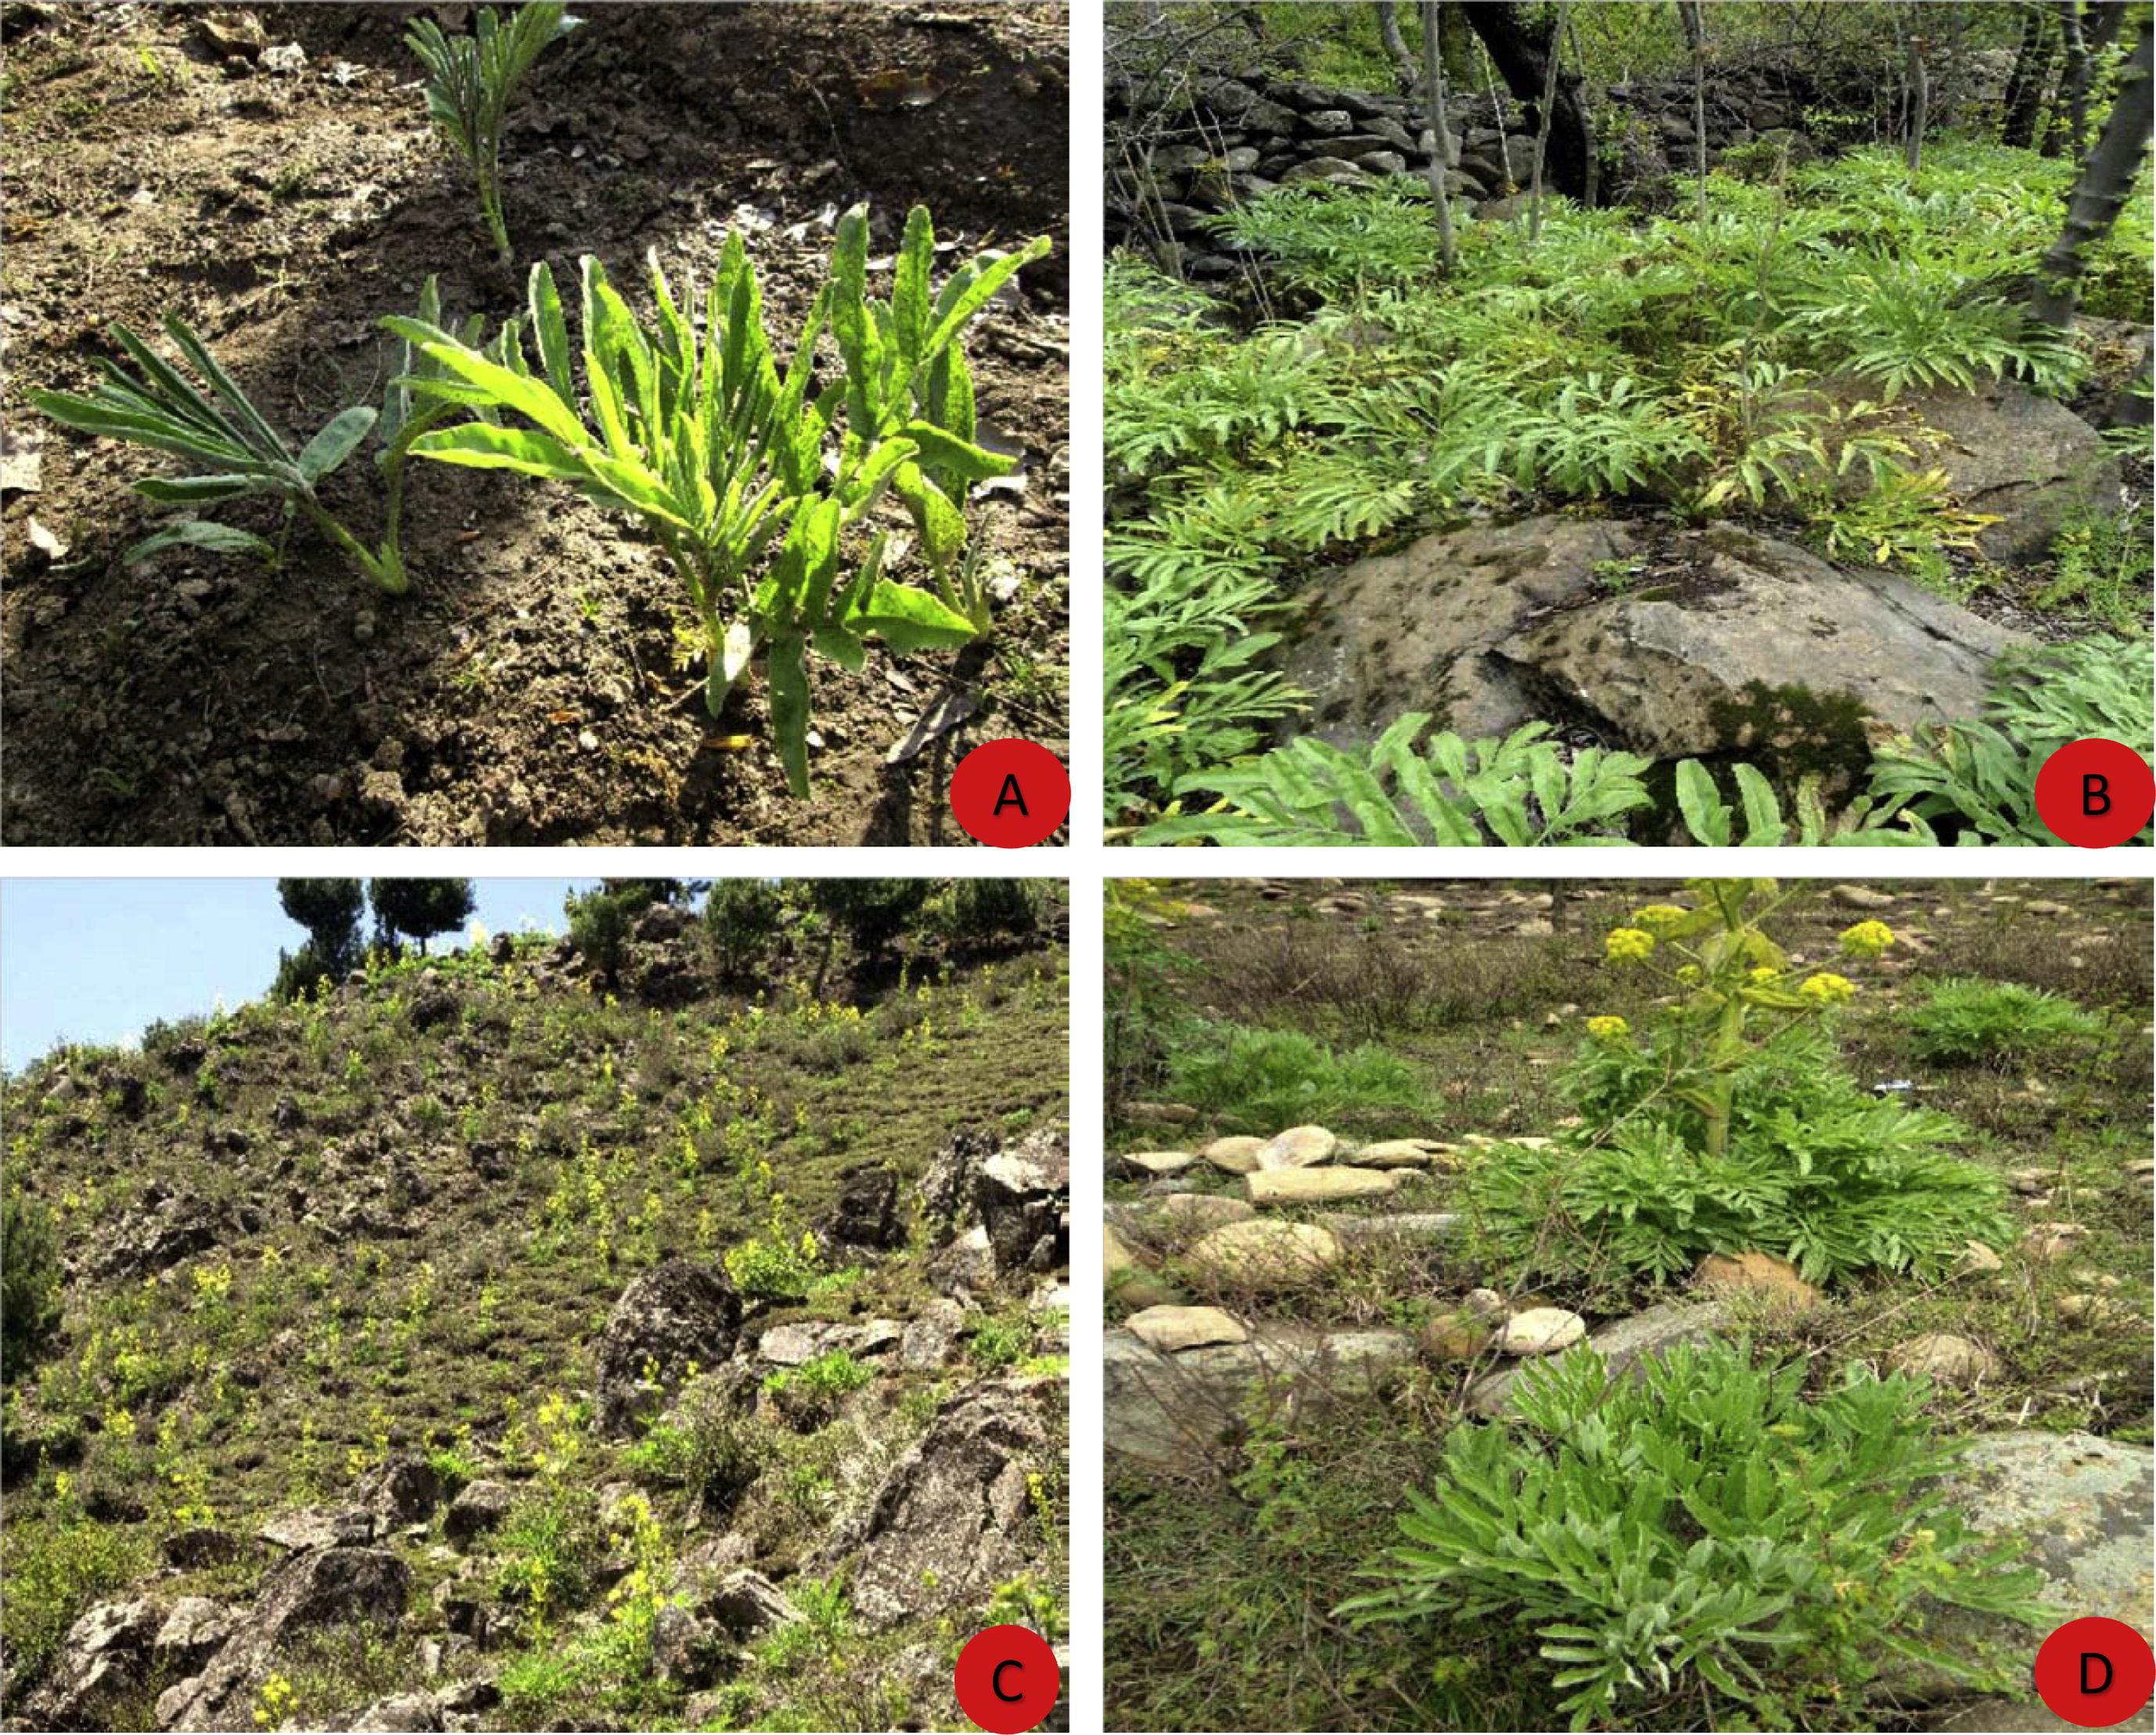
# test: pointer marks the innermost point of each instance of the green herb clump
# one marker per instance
(1703, 1543)
(1965, 1022)
(727, 463)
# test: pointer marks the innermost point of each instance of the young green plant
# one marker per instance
(726, 462)
(471, 79)
(240, 453)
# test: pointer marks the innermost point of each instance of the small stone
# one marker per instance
(1156, 1162)
(1298, 1147)
(1295, 1186)
(1541, 1332)
(1159, 1114)
(1237, 1155)
(1759, 1272)
(2048, 1241)
(1265, 1252)
(2084, 1310)
(1173, 1328)
(2044, 906)
(1862, 897)
(1946, 1358)
(1197, 1211)
(1978, 1260)
(1458, 1337)
(1481, 1301)
(1398, 1153)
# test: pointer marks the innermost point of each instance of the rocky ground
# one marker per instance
(1296, 1274)
(483, 1347)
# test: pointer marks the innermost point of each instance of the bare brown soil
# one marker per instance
(538, 685)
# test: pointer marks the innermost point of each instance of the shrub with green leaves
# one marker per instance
(742, 917)
(1260, 1080)
(1703, 1542)
(726, 463)
(29, 1283)
(240, 451)
(1964, 1022)
(1979, 777)
(471, 79)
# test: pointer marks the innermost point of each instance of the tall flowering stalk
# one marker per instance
(1732, 971)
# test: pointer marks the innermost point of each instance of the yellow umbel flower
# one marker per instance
(1628, 946)
(1608, 1030)
(1826, 989)
(1691, 975)
(1761, 973)
(1657, 915)
(1867, 939)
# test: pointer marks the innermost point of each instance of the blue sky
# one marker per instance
(91, 960)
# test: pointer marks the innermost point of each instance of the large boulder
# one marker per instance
(1721, 641)
(955, 1516)
(1018, 1196)
(867, 1212)
(2028, 460)
(105, 1653)
(327, 1587)
(2078, 1509)
(1173, 1409)
(678, 1312)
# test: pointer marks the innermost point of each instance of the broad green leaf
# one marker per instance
(953, 318)
(787, 670)
(636, 487)
(1705, 814)
(1764, 828)
(849, 313)
(909, 300)
(821, 547)
(339, 437)
(949, 400)
(531, 398)
(909, 619)
(175, 395)
(197, 490)
(947, 453)
(843, 648)
(201, 533)
(942, 526)
(478, 446)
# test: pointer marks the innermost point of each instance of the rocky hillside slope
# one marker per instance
(478, 1347)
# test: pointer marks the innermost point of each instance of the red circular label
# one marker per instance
(2095, 793)
(1010, 794)
(1007, 1681)
(2095, 1672)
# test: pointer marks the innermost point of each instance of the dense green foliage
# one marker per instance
(742, 917)
(30, 1282)
(1757, 364)
(1704, 1535)
(1260, 1080)
(419, 908)
(1817, 1172)
(1963, 1021)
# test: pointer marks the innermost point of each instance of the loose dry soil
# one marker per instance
(533, 688)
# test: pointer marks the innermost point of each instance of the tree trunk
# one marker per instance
(1920, 103)
(2068, 133)
(1395, 45)
(1542, 148)
(2030, 78)
(2107, 180)
(1432, 64)
(1695, 30)
(1523, 54)
(1586, 114)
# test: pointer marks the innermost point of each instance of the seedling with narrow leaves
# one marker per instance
(240, 451)
(746, 481)
(471, 79)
